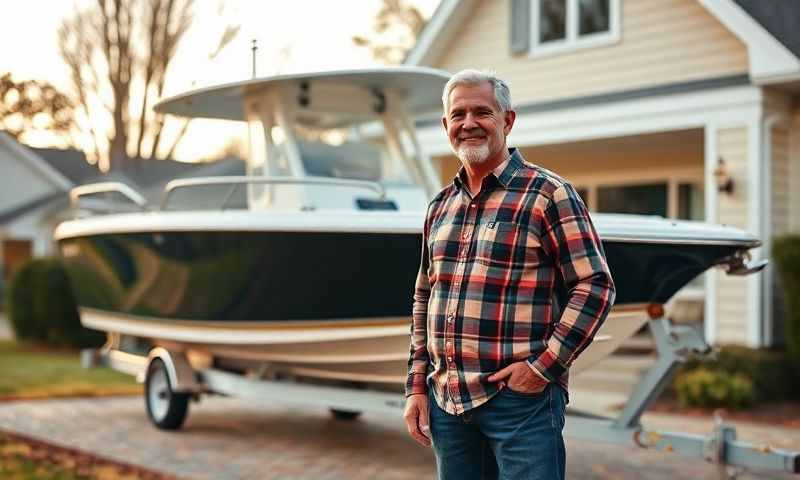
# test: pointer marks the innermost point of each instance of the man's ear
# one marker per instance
(510, 116)
(444, 123)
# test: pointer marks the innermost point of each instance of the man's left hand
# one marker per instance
(520, 378)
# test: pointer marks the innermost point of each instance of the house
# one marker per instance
(680, 108)
(29, 187)
(35, 185)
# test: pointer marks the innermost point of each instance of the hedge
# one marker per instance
(770, 375)
(786, 253)
(42, 307)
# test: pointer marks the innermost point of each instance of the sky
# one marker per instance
(291, 35)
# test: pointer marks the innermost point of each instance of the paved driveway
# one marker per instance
(228, 438)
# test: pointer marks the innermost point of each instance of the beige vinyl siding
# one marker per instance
(780, 181)
(732, 292)
(662, 42)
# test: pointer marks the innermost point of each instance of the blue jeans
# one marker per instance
(513, 436)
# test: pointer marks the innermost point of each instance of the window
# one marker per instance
(691, 201)
(562, 25)
(637, 199)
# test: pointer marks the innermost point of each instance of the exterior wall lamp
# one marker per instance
(724, 179)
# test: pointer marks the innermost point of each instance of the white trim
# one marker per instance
(245, 221)
(754, 226)
(49, 173)
(724, 106)
(442, 26)
(611, 227)
(710, 305)
(573, 41)
(770, 61)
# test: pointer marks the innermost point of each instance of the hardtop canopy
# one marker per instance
(419, 88)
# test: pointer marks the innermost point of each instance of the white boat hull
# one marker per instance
(353, 351)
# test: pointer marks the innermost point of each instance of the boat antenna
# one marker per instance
(254, 48)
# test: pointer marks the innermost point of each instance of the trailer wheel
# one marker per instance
(344, 414)
(167, 409)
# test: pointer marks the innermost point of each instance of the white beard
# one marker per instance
(472, 155)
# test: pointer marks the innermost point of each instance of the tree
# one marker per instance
(119, 52)
(33, 106)
(396, 28)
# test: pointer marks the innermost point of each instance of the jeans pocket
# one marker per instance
(516, 393)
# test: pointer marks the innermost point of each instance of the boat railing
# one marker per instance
(106, 188)
(236, 181)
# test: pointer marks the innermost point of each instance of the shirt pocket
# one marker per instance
(443, 242)
(506, 244)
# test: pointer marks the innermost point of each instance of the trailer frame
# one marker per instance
(674, 345)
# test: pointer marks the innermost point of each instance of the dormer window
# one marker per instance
(562, 25)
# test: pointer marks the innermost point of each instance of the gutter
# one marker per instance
(767, 285)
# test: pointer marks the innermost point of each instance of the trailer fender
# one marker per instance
(182, 377)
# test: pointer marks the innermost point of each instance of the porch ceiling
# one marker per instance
(682, 148)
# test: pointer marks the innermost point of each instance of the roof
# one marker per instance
(147, 176)
(779, 17)
(69, 163)
(20, 210)
(53, 175)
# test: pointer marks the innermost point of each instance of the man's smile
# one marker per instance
(472, 138)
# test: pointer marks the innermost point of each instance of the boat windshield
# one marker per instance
(342, 153)
(347, 154)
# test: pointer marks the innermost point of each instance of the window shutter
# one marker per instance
(520, 22)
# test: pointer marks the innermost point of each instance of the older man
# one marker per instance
(513, 286)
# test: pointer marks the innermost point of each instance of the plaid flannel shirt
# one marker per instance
(516, 273)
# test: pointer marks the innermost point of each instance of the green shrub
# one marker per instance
(772, 372)
(786, 253)
(42, 307)
(709, 388)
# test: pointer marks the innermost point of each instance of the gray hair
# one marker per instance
(502, 94)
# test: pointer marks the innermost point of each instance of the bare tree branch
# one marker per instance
(395, 30)
(114, 48)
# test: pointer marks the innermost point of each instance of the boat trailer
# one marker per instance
(170, 381)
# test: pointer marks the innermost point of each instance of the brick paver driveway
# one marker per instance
(228, 438)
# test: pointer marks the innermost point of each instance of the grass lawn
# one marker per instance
(23, 459)
(35, 372)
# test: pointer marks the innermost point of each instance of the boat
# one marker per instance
(305, 266)
(294, 282)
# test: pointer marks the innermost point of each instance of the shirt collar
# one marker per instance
(503, 172)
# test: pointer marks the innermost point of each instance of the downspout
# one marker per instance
(766, 327)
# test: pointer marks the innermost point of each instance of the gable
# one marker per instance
(26, 179)
(661, 43)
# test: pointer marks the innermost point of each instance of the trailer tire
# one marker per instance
(348, 415)
(166, 408)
